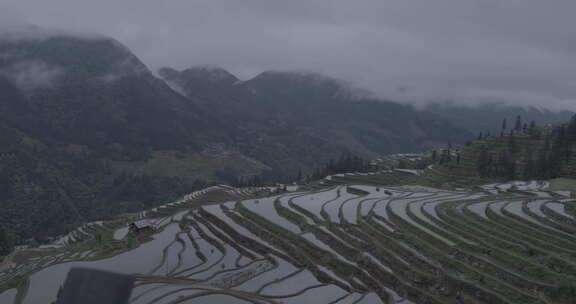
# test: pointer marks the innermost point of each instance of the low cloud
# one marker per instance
(520, 50)
(130, 66)
(14, 26)
(526, 98)
(23, 32)
(478, 97)
(32, 75)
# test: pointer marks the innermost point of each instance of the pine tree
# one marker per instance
(512, 145)
(529, 168)
(483, 163)
(5, 243)
(518, 126)
(331, 168)
(511, 174)
(533, 130)
(542, 167)
(571, 129)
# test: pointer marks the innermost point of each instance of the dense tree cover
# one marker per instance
(71, 110)
(45, 193)
(443, 156)
(266, 178)
(347, 163)
(525, 154)
(5, 242)
(526, 151)
(303, 120)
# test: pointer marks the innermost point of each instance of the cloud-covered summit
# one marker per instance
(519, 51)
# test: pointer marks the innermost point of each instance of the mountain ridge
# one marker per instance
(284, 104)
(98, 134)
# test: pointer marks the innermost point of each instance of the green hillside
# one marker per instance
(524, 153)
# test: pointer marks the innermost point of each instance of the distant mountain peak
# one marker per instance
(35, 57)
(205, 80)
(306, 80)
(307, 77)
(211, 73)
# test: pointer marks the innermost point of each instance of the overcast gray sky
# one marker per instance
(519, 51)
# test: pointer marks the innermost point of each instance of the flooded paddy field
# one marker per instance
(338, 243)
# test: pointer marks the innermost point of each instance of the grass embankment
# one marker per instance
(465, 171)
(376, 179)
(559, 184)
(190, 166)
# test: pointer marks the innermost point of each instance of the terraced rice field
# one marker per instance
(340, 244)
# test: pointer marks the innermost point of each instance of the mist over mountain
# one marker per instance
(298, 90)
(488, 117)
(309, 152)
(73, 111)
(282, 103)
(95, 89)
(89, 131)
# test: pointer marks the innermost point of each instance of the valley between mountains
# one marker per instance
(286, 187)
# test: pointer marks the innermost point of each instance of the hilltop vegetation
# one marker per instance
(83, 124)
(523, 152)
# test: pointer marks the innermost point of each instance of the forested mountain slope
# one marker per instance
(287, 107)
(86, 132)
